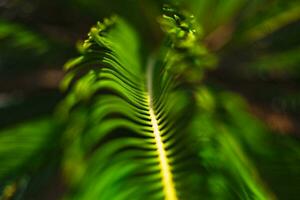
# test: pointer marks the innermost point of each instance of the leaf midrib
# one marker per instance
(165, 169)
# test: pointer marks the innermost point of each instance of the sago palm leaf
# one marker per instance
(132, 140)
(128, 119)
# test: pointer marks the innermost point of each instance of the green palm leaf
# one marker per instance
(129, 119)
(135, 106)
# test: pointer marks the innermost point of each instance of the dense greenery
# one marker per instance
(145, 113)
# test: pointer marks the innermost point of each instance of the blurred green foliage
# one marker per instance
(99, 141)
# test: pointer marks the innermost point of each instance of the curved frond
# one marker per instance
(129, 121)
(134, 111)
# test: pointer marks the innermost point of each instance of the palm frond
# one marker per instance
(129, 142)
(128, 119)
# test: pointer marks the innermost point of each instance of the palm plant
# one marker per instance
(136, 125)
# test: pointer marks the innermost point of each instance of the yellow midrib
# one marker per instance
(167, 177)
